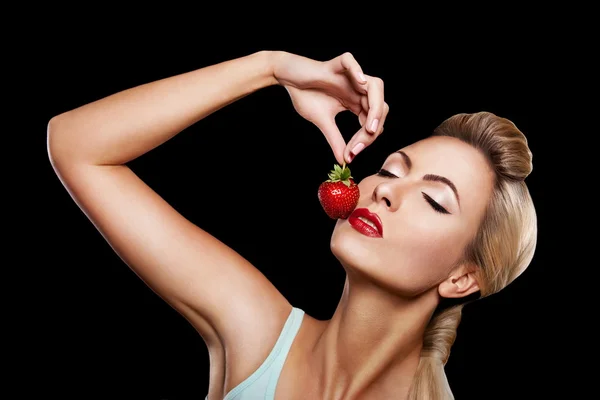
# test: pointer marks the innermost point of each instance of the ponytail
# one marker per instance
(430, 382)
(503, 246)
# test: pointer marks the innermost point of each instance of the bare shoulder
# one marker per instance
(249, 338)
(250, 352)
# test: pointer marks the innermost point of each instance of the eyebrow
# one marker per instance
(431, 177)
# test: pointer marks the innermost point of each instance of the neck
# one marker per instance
(371, 346)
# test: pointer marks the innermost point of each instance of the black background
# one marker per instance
(100, 332)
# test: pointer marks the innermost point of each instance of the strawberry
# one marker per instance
(339, 194)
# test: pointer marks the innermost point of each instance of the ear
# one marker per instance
(461, 282)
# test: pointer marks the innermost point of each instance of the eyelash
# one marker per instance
(434, 204)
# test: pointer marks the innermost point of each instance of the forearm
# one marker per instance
(125, 125)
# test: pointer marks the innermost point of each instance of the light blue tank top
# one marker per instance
(262, 383)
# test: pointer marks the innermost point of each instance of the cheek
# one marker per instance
(429, 240)
(422, 252)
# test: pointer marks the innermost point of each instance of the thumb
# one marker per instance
(334, 138)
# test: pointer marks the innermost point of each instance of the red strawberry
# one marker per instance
(339, 194)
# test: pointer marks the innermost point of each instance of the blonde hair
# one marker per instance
(503, 246)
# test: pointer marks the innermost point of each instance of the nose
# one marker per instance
(388, 193)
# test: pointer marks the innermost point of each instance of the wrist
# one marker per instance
(268, 61)
(274, 61)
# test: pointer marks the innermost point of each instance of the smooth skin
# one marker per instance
(369, 349)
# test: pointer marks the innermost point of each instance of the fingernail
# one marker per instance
(357, 149)
(362, 77)
(374, 125)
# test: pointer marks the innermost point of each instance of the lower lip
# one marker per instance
(363, 227)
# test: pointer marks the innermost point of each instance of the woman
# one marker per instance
(452, 221)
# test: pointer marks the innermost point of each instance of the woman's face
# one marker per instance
(426, 225)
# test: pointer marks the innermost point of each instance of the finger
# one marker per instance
(346, 95)
(376, 104)
(342, 88)
(386, 110)
(334, 138)
(362, 116)
(361, 140)
(347, 63)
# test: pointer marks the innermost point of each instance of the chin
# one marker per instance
(353, 249)
(370, 259)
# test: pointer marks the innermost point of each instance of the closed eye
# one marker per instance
(386, 173)
(434, 204)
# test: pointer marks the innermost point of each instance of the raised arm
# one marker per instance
(209, 283)
(231, 303)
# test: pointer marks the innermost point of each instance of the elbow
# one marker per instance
(55, 146)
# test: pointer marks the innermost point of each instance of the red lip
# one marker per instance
(363, 227)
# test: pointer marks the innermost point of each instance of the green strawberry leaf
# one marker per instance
(340, 174)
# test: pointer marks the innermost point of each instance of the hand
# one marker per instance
(321, 90)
